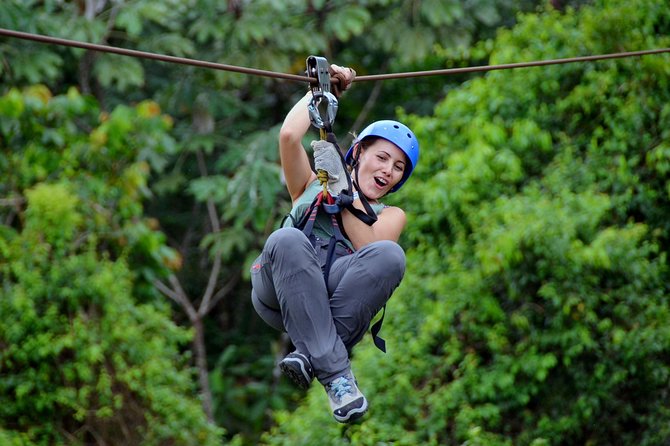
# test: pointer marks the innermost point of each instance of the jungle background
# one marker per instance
(134, 195)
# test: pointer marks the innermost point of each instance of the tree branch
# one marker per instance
(211, 208)
(205, 304)
(13, 201)
(211, 283)
(224, 291)
(177, 295)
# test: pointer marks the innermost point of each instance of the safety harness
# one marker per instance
(322, 118)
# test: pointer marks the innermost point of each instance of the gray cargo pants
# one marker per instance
(289, 293)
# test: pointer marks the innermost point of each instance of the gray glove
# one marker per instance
(327, 158)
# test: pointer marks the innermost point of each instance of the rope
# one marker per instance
(322, 175)
(297, 78)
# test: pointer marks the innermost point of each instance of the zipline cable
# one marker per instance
(297, 78)
(146, 55)
(509, 66)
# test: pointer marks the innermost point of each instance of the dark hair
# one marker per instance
(363, 145)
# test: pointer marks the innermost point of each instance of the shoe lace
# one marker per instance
(341, 386)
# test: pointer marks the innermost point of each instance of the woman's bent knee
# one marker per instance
(286, 239)
(390, 258)
(270, 316)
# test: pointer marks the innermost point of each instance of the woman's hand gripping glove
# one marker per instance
(328, 159)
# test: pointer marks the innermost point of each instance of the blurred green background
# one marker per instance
(134, 195)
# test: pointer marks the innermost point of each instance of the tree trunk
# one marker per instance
(201, 364)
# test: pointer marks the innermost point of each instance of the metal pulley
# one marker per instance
(323, 105)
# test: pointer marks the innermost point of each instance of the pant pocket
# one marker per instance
(256, 265)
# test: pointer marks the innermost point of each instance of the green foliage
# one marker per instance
(535, 306)
(90, 22)
(244, 394)
(105, 157)
(82, 361)
(225, 125)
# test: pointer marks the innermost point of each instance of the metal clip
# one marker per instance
(321, 117)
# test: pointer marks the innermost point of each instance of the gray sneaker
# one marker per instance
(346, 401)
(298, 369)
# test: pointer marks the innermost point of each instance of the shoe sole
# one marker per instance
(354, 414)
(294, 369)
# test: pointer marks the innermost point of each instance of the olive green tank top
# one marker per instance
(323, 227)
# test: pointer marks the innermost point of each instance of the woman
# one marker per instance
(325, 320)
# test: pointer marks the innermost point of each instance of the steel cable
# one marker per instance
(298, 78)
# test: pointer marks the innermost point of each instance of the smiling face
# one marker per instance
(381, 166)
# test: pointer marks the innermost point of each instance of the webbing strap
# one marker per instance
(379, 342)
(336, 238)
(306, 223)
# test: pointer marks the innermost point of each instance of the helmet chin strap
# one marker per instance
(356, 164)
(356, 180)
(369, 216)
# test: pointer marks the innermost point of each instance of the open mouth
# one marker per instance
(381, 182)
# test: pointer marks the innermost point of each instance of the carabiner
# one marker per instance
(320, 117)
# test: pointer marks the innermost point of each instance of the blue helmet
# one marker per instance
(397, 133)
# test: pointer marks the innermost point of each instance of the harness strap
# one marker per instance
(368, 217)
(336, 238)
(374, 330)
(306, 224)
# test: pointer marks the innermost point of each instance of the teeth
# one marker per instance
(381, 181)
